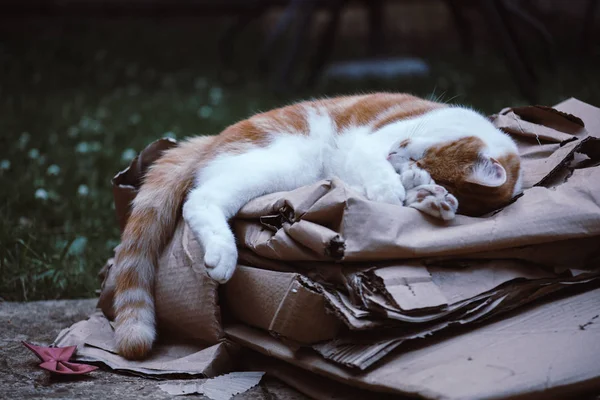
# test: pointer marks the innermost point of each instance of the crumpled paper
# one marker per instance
(222, 387)
(56, 360)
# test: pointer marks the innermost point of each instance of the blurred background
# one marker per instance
(86, 84)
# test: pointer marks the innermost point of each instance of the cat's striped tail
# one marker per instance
(154, 214)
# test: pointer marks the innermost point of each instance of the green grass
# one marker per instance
(78, 101)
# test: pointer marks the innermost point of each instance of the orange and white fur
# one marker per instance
(391, 148)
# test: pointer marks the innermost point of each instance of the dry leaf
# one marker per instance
(56, 360)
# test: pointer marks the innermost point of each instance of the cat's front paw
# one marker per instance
(220, 259)
(412, 176)
(392, 193)
(433, 200)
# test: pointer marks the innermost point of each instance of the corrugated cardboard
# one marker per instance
(392, 275)
(549, 350)
(289, 307)
(361, 351)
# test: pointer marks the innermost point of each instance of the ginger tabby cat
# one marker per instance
(392, 148)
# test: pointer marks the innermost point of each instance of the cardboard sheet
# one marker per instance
(348, 288)
(548, 350)
(289, 306)
(94, 339)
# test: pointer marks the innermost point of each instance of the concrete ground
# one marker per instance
(40, 322)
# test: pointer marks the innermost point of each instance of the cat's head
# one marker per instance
(481, 182)
(466, 154)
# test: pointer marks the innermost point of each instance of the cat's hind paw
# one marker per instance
(433, 200)
(220, 259)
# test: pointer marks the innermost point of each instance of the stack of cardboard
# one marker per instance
(343, 287)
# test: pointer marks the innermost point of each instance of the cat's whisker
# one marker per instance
(452, 98)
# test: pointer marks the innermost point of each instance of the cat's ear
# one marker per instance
(487, 172)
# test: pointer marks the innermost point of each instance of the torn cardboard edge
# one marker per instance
(364, 350)
(539, 131)
(590, 146)
(547, 123)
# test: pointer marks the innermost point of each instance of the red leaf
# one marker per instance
(56, 360)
